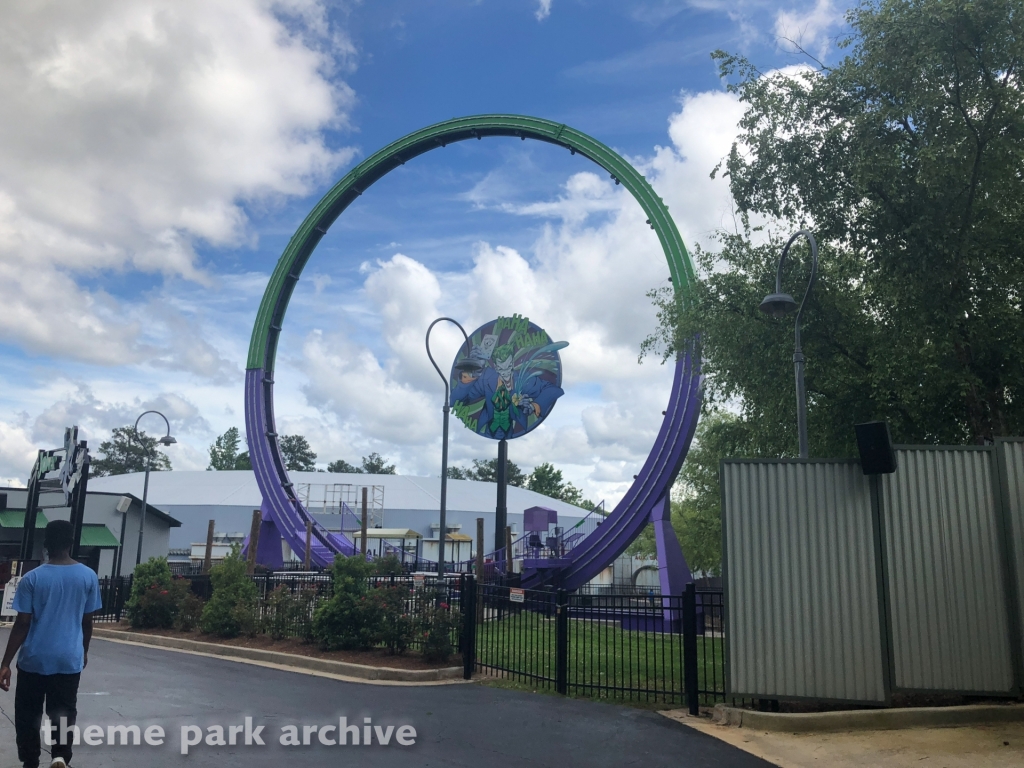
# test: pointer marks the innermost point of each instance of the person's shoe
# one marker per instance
(58, 762)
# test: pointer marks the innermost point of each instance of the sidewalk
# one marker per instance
(1000, 745)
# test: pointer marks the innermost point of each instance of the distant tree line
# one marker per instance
(297, 453)
(544, 479)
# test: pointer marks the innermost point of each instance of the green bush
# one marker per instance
(351, 619)
(190, 612)
(439, 624)
(153, 573)
(232, 607)
(398, 627)
(157, 607)
(389, 565)
(287, 614)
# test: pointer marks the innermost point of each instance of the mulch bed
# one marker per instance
(377, 657)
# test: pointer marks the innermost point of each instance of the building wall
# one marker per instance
(102, 508)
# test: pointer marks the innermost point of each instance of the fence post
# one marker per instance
(562, 642)
(690, 683)
(468, 599)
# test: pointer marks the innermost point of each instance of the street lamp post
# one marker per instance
(443, 534)
(779, 305)
(165, 440)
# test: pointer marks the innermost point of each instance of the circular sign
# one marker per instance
(508, 380)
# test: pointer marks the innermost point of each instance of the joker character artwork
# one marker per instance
(509, 381)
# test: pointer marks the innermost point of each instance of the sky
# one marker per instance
(157, 155)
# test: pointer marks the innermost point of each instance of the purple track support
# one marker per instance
(653, 484)
(280, 503)
(673, 572)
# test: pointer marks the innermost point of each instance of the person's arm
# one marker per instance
(18, 634)
(86, 636)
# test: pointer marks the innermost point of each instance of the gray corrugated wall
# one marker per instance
(946, 588)
(802, 596)
(1013, 458)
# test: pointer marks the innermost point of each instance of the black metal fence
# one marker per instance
(631, 646)
(652, 648)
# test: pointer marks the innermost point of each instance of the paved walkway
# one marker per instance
(457, 725)
(1000, 745)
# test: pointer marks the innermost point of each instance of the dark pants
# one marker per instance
(61, 695)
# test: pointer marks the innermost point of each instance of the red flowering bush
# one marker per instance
(157, 607)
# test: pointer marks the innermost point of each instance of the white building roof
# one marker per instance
(238, 488)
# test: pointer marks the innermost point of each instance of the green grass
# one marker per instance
(605, 661)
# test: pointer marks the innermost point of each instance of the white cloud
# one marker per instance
(808, 29)
(143, 128)
(354, 377)
(543, 9)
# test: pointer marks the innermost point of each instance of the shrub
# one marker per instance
(157, 607)
(284, 613)
(190, 611)
(351, 619)
(389, 565)
(398, 627)
(153, 573)
(348, 621)
(232, 606)
(439, 624)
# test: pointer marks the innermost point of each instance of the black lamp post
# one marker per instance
(779, 305)
(443, 534)
(165, 440)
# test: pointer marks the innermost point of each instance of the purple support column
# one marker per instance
(673, 572)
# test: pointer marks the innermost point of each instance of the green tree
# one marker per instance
(297, 454)
(486, 471)
(375, 464)
(224, 453)
(547, 480)
(127, 451)
(906, 157)
(344, 467)
(458, 473)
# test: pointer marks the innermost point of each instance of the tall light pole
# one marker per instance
(443, 534)
(779, 305)
(165, 440)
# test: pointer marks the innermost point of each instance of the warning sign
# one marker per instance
(516, 595)
(9, 589)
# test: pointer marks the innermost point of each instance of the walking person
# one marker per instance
(55, 603)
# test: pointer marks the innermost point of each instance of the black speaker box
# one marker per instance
(874, 442)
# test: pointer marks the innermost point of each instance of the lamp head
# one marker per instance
(167, 440)
(469, 366)
(778, 305)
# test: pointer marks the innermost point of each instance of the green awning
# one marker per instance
(15, 518)
(98, 535)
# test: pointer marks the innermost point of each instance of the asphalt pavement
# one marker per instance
(456, 725)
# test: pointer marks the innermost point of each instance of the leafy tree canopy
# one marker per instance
(128, 451)
(486, 470)
(544, 479)
(904, 159)
(343, 466)
(297, 454)
(375, 464)
(224, 453)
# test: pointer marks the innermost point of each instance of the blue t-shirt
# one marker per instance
(57, 596)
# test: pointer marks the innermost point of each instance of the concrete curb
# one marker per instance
(869, 719)
(339, 668)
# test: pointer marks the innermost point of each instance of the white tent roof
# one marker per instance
(238, 488)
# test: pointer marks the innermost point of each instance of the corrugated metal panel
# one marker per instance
(1013, 461)
(946, 589)
(802, 591)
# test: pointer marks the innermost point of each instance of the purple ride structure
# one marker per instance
(284, 516)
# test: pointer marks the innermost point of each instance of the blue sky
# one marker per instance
(158, 154)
